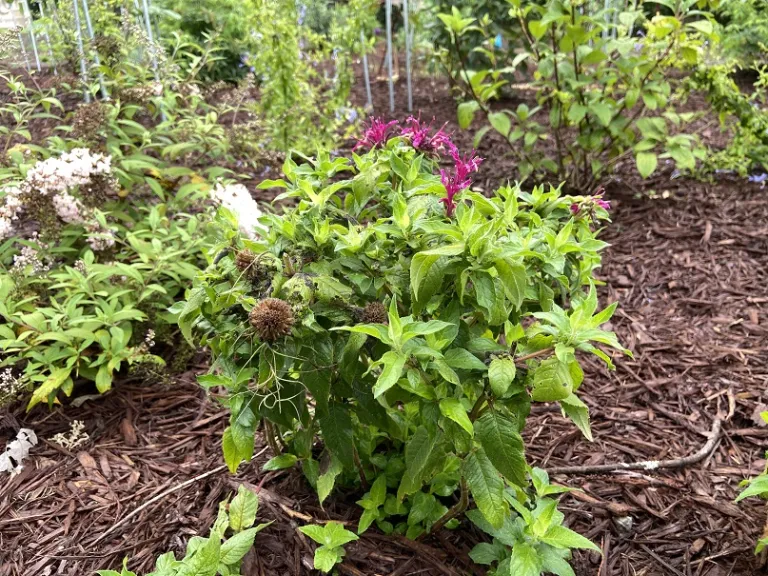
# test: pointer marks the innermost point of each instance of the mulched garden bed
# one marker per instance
(690, 270)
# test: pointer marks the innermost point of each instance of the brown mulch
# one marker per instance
(690, 271)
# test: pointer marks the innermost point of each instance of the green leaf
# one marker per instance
(242, 510)
(463, 359)
(524, 561)
(417, 452)
(757, 487)
(602, 111)
(486, 486)
(336, 426)
(327, 479)
(500, 122)
(466, 113)
(551, 381)
(646, 163)
(503, 445)
(204, 561)
(453, 409)
(578, 412)
(393, 363)
(326, 558)
(537, 28)
(237, 546)
(562, 537)
(49, 385)
(501, 374)
(514, 277)
(280, 462)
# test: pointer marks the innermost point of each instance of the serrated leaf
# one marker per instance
(503, 445)
(393, 363)
(237, 546)
(562, 537)
(336, 426)
(501, 374)
(242, 510)
(486, 486)
(453, 409)
(551, 381)
(524, 560)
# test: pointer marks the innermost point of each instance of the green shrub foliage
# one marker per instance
(409, 323)
(232, 536)
(605, 86)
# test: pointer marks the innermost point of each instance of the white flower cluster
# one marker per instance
(71, 169)
(9, 386)
(17, 451)
(238, 200)
(29, 256)
(99, 238)
(55, 177)
(75, 438)
(9, 210)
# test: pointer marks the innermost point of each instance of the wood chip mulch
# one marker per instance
(690, 270)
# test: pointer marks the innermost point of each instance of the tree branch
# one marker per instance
(649, 465)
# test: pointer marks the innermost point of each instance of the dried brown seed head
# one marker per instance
(272, 318)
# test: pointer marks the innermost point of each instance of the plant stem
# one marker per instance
(269, 434)
(455, 510)
(359, 466)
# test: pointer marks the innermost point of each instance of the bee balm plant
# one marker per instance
(392, 330)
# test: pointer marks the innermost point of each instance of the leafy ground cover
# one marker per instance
(689, 268)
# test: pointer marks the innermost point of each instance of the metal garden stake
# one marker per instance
(95, 51)
(407, 55)
(48, 38)
(365, 71)
(28, 16)
(83, 67)
(389, 56)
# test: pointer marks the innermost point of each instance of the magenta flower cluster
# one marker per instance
(590, 202)
(420, 136)
(459, 179)
(375, 134)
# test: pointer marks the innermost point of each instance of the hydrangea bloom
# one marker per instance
(238, 200)
(375, 134)
(419, 135)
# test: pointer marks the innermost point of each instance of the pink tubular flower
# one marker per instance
(590, 202)
(376, 134)
(419, 135)
(460, 179)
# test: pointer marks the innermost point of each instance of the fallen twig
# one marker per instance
(159, 497)
(647, 465)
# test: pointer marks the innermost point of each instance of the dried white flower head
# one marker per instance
(149, 339)
(99, 238)
(68, 208)
(16, 451)
(238, 200)
(75, 438)
(9, 386)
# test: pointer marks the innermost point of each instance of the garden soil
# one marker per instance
(688, 263)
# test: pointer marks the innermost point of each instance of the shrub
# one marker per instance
(85, 280)
(216, 554)
(409, 323)
(602, 93)
(745, 32)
